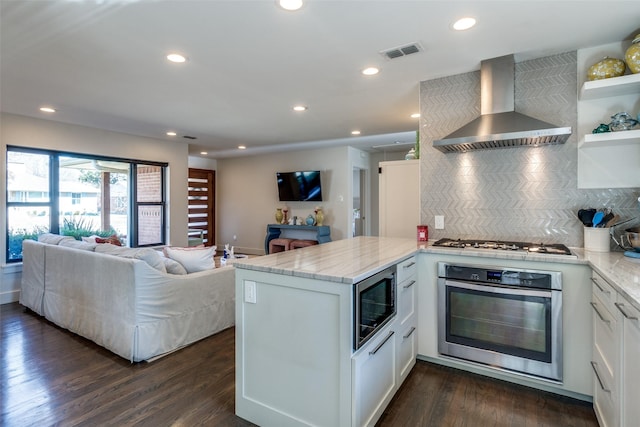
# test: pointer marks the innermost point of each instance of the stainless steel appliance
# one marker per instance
(374, 305)
(507, 318)
(540, 248)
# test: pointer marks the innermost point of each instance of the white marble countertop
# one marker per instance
(622, 272)
(344, 261)
(351, 260)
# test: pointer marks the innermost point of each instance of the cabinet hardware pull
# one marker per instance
(605, 291)
(413, 328)
(408, 285)
(620, 305)
(595, 308)
(375, 350)
(594, 365)
(411, 264)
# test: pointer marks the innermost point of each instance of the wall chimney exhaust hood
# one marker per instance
(499, 125)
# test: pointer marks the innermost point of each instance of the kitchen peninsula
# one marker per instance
(295, 358)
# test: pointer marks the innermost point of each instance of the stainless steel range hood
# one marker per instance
(499, 125)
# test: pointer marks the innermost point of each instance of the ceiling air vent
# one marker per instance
(399, 52)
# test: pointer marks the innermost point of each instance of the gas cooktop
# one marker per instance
(540, 248)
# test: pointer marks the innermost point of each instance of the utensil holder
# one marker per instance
(596, 239)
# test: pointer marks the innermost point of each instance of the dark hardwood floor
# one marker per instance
(50, 376)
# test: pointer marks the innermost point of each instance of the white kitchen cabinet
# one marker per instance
(609, 160)
(375, 377)
(616, 346)
(630, 397)
(606, 353)
(399, 198)
(295, 362)
(406, 318)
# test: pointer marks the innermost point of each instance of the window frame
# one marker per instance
(54, 193)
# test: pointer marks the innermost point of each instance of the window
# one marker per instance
(92, 195)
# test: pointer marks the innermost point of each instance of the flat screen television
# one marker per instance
(299, 186)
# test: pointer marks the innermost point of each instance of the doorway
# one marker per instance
(202, 207)
(359, 202)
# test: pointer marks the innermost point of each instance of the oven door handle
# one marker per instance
(500, 289)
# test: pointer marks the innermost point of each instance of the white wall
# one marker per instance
(248, 196)
(29, 132)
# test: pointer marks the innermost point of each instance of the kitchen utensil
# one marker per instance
(632, 236)
(607, 217)
(586, 216)
(597, 218)
(613, 220)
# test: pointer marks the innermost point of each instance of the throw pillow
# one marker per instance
(173, 266)
(53, 239)
(77, 244)
(147, 255)
(113, 239)
(193, 259)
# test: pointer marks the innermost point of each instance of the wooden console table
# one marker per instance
(319, 233)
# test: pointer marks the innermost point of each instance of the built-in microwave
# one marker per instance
(374, 305)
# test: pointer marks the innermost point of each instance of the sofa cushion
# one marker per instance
(193, 259)
(147, 255)
(77, 244)
(53, 239)
(173, 266)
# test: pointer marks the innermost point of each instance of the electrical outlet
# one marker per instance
(439, 222)
(235, 237)
(250, 291)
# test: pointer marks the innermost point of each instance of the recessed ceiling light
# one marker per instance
(464, 24)
(176, 57)
(171, 133)
(242, 147)
(415, 115)
(47, 109)
(204, 153)
(371, 71)
(290, 4)
(355, 132)
(300, 108)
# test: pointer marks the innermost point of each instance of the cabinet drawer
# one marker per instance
(376, 381)
(605, 395)
(407, 348)
(407, 299)
(604, 291)
(605, 331)
(406, 269)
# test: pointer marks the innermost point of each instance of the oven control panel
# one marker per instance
(501, 276)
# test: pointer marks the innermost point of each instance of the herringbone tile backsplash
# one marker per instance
(521, 193)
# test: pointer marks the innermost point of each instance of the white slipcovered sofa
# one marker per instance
(125, 304)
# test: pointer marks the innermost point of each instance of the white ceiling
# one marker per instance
(102, 63)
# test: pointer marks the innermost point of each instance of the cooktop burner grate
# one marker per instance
(540, 248)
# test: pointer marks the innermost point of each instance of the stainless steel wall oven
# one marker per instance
(374, 305)
(507, 318)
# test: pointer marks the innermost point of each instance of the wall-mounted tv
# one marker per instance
(300, 186)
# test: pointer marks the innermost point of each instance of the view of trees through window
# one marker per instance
(79, 196)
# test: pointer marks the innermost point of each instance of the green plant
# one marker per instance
(16, 236)
(78, 226)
